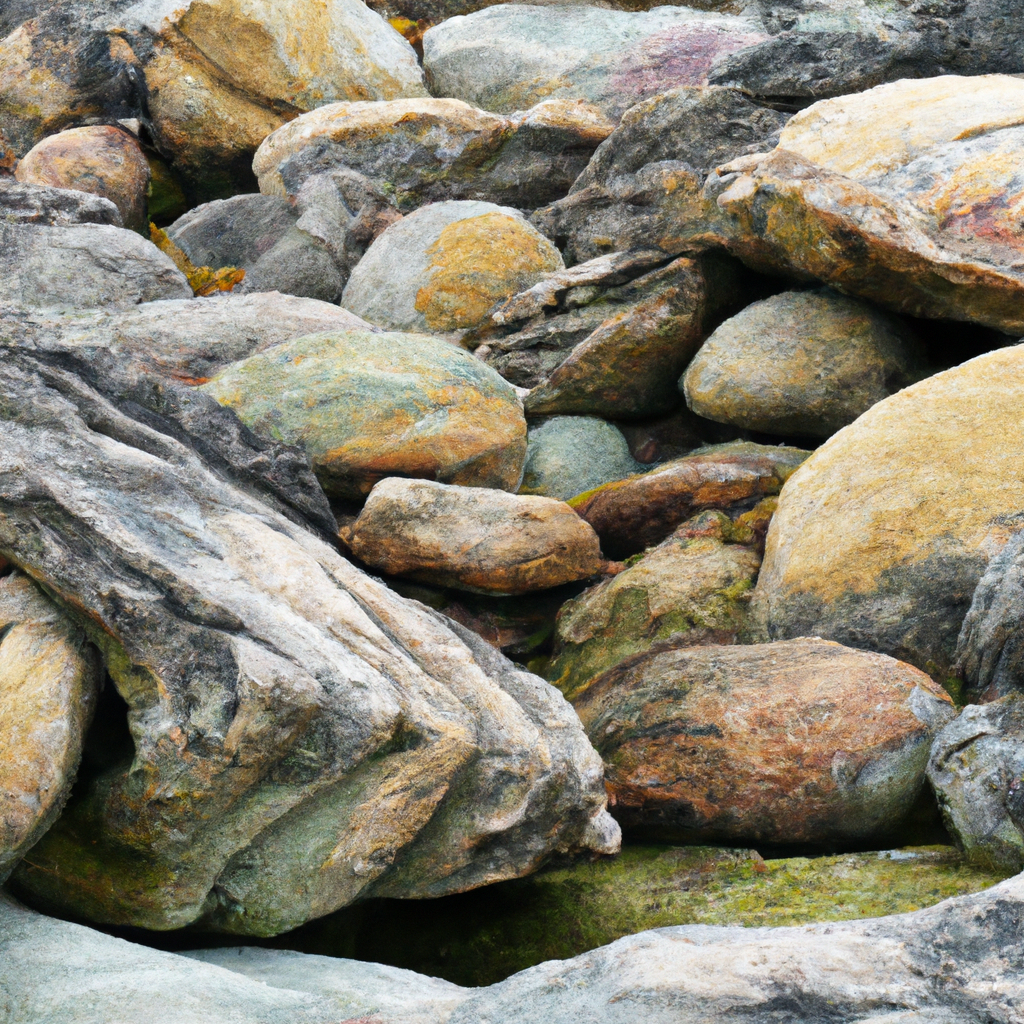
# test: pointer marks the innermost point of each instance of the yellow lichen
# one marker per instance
(202, 280)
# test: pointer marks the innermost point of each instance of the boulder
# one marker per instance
(567, 455)
(364, 406)
(444, 267)
(882, 536)
(977, 772)
(105, 161)
(511, 56)
(48, 687)
(53, 207)
(642, 510)
(428, 150)
(801, 741)
(296, 732)
(472, 538)
(801, 363)
(691, 589)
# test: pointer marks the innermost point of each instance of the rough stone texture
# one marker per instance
(365, 406)
(472, 538)
(977, 772)
(275, 693)
(428, 150)
(640, 511)
(567, 455)
(54, 207)
(444, 267)
(801, 363)
(882, 536)
(105, 161)
(83, 265)
(801, 741)
(510, 57)
(48, 685)
(691, 588)
(642, 188)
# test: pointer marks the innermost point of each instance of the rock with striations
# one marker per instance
(367, 405)
(642, 510)
(21, 203)
(444, 267)
(801, 364)
(48, 687)
(297, 735)
(801, 741)
(472, 538)
(883, 535)
(425, 150)
(103, 160)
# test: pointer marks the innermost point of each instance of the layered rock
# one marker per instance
(21, 203)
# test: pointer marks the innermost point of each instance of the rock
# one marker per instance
(53, 207)
(976, 770)
(511, 56)
(801, 363)
(640, 511)
(691, 588)
(428, 150)
(472, 538)
(642, 187)
(274, 692)
(83, 265)
(105, 161)
(883, 535)
(801, 741)
(365, 406)
(910, 210)
(567, 455)
(48, 684)
(444, 267)
(664, 437)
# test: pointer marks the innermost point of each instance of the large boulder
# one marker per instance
(22, 203)
(428, 150)
(472, 538)
(882, 536)
(365, 406)
(48, 686)
(444, 267)
(801, 741)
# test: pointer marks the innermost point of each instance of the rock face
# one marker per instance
(53, 207)
(102, 160)
(365, 406)
(883, 535)
(48, 685)
(690, 589)
(801, 363)
(273, 692)
(472, 538)
(977, 772)
(428, 150)
(632, 514)
(803, 741)
(444, 267)
(511, 56)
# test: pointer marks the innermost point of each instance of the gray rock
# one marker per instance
(567, 455)
(977, 772)
(54, 207)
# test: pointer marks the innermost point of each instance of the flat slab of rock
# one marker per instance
(473, 538)
(802, 741)
(22, 203)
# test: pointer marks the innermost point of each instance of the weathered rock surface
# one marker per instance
(801, 363)
(511, 56)
(882, 536)
(105, 161)
(53, 207)
(691, 589)
(802, 741)
(977, 772)
(428, 150)
(640, 511)
(275, 693)
(364, 406)
(48, 685)
(473, 538)
(444, 267)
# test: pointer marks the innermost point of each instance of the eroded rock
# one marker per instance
(21, 203)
